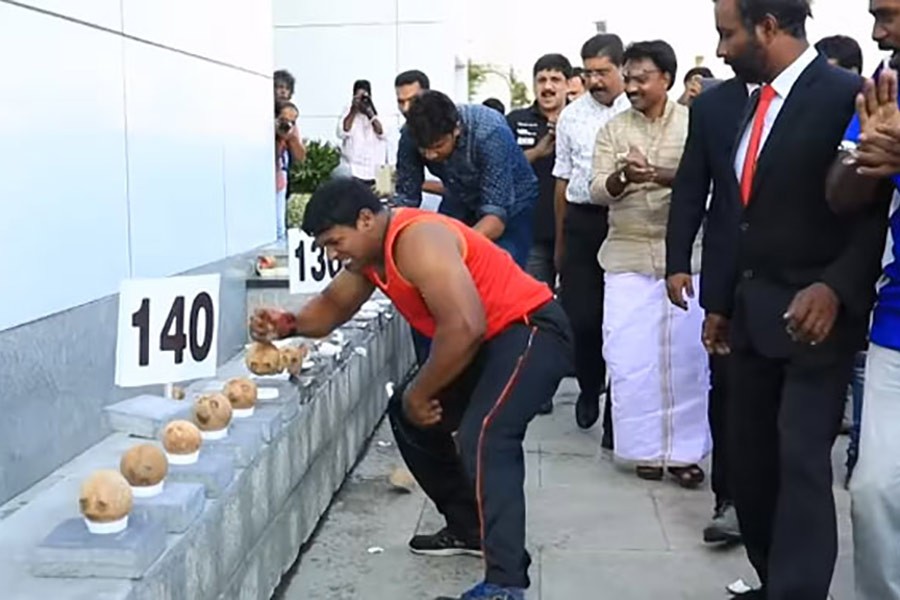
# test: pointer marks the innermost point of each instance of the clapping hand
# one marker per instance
(878, 152)
(637, 169)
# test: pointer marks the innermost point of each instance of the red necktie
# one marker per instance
(766, 95)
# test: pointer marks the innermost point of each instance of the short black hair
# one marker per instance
(658, 51)
(553, 62)
(280, 105)
(362, 84)
(791, 15)
(496, 105)
(284, 76)
(842, 49)
(604, 44)
(411, 77)
(336, 202)
(577, 72)
(701, 71)
(432, 116)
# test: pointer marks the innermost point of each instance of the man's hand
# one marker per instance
(691, 90)
(878, 154)
(546, 145)
(559, 254)
(421, 412)
(268, 324)
(637, 168)
(812, 313)
(715, 334)
(678, 286)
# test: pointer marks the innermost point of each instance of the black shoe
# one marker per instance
(546, 409)
(724, 527)
(751, 595)
(587, 410)
(444, 543)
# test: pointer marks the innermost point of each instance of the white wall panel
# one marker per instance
(106, 13)
(417, 10)
(327, 60)
(305, 12)
(63, 224)
(233, 31)
(429, 48)
(249, 162)
(176, 156)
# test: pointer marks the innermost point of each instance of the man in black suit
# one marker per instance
(802, 286)
(715, 117)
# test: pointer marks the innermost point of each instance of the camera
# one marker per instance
(284, 126)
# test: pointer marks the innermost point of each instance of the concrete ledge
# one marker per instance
(244, 539)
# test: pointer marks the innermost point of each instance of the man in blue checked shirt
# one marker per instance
(866, 176)
(471, 149)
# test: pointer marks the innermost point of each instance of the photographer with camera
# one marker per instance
(363, 142)
(288, 148)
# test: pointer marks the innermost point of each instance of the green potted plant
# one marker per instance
(322, 159)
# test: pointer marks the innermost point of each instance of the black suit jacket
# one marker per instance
(708, 158)
(788, 238)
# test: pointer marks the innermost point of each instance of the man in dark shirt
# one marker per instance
(533, 129)
(471, 150)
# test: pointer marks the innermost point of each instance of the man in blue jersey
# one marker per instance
(867, 171)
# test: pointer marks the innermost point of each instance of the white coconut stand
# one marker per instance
(109, 528)
(148, 491)
(183, 459)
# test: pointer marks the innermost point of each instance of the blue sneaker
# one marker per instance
(489, 591)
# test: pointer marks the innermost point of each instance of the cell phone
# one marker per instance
(707, 83)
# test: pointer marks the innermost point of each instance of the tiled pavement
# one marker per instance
(595, 531)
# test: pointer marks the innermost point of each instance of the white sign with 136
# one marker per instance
(310, 270)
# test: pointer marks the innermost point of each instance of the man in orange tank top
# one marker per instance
(501, 344)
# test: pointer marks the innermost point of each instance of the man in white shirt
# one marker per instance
(581, 226)
(364, 145)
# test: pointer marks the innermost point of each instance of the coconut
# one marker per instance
(292, 358)
(105, 497)
(264, 358)
(144, 466)
(181, 437)
(241, 392)
(212, 412)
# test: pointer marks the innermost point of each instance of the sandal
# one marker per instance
(649, 473)
(689, 477)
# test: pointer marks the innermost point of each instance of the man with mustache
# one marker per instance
(867, 177)
(501, 346)
(802, 288)
(656, 362)
(581, 225)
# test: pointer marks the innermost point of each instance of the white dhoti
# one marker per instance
(659, 373)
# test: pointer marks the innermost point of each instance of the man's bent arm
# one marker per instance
(846, 190)
(334, 306)
(410, 172)
(429, 256)
(852, 276)
(690, 192)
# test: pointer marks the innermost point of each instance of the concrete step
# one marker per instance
(250, 529)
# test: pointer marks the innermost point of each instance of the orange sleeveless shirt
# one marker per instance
(507, 293)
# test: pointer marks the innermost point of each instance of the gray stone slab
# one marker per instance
(243, 445)
(214, 470)
(72, 551)
(268, 420)
(176, 508)
(145, 416)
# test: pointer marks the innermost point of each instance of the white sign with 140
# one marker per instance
(309, 269)
(168, 330)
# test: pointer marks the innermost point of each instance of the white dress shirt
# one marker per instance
(783, 84)
(576, 136)
(362, 150)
